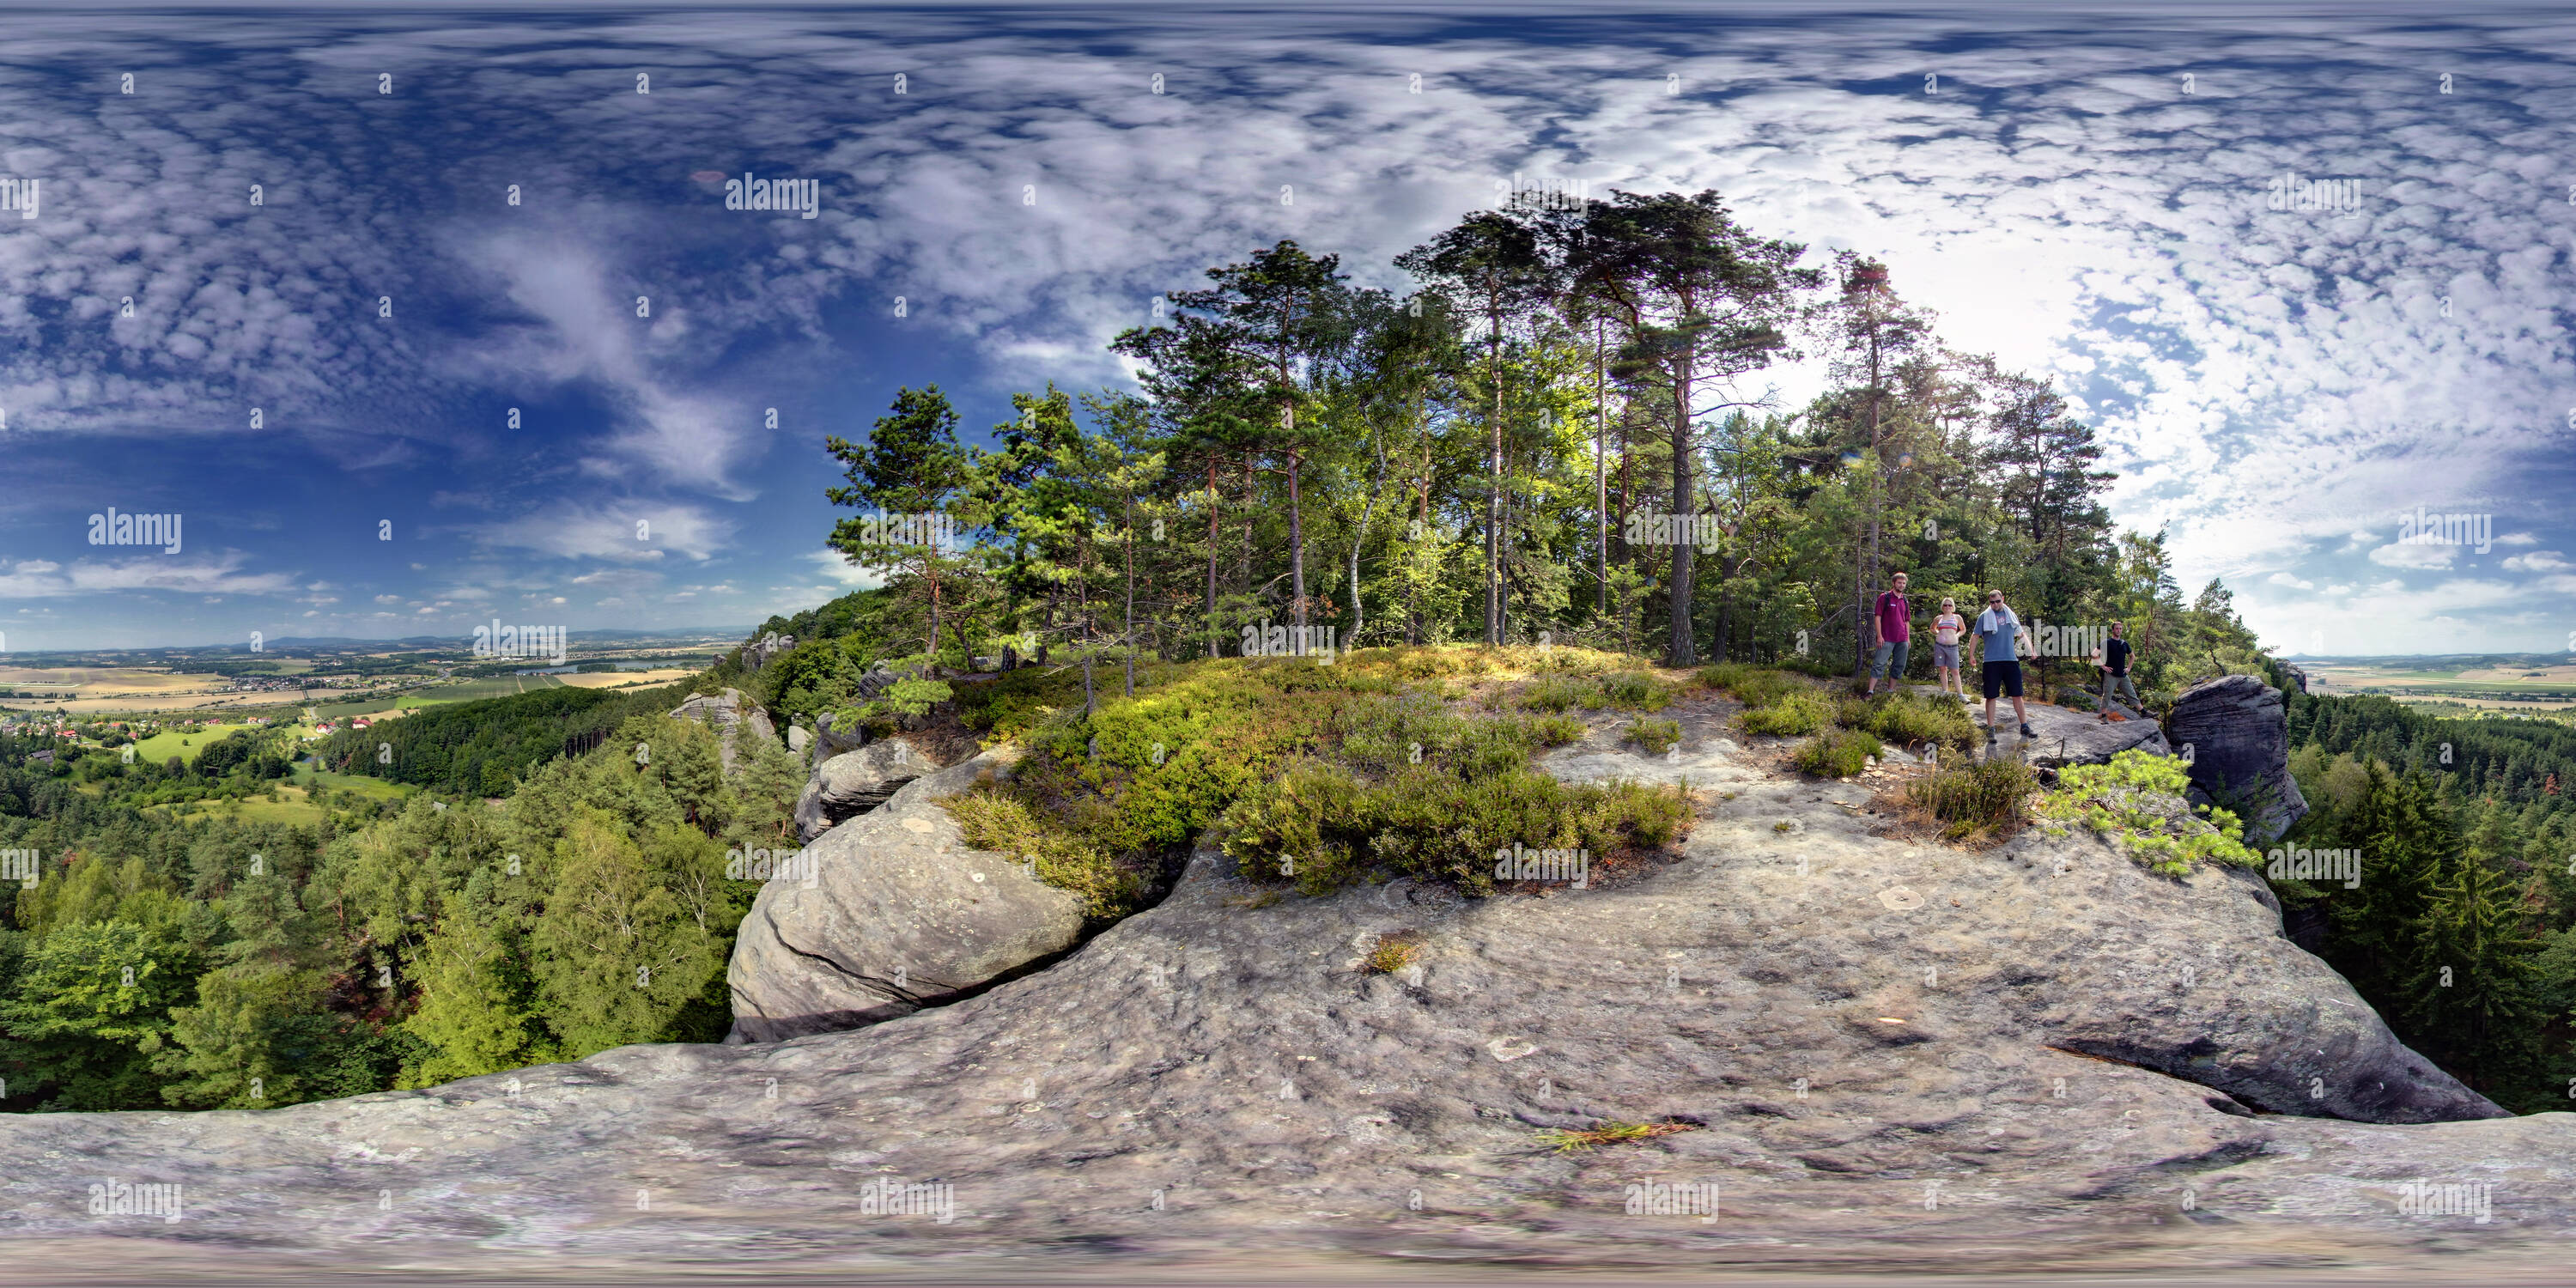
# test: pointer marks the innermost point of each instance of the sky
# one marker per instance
(275, 283)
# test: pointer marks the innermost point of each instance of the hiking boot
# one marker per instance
(2025, 732)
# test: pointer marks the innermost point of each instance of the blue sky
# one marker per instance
(2275, 386)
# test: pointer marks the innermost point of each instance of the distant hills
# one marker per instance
(727, 635)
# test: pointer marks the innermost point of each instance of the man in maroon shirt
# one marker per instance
(1894, 633)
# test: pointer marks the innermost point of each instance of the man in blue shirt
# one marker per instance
(2001, 632)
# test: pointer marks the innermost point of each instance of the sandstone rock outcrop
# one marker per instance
(830, 742)
(2240, 753)
(1885, 1055)
(728, 713)
(901, 915)
(854, 782)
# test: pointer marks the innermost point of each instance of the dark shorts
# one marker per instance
(2003, 677)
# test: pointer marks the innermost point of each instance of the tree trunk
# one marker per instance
(1212, 545)
(1130, 626)
(1684, 649)
(1600, 476)
(1494, 480)
(1296, 539)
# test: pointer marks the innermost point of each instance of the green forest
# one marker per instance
(1556, 435)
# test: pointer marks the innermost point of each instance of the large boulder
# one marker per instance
(728, 713)
(900, 915)
(2239, 740)
(854, 782)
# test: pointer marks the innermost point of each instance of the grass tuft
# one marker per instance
(1976, 797)
(1565, 1140)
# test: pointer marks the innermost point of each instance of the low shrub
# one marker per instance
(991, 817)
(2138, 798)
(1554, 693)
(1321, 827)
(1972, 796)
(1799, 711)
(1339, 771)
(1655, 737)
(1635, 691)
(1751, 685)
(1839, 754)
(1907, 719)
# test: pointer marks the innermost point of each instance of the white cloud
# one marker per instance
(610, 530)
(2414, 556)
(198, 576)
(2538, 561)
(842, 572)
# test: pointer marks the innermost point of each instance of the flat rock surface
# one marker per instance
(1891, 1056)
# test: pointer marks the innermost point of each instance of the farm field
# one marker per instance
(622, 679)
(307, 778)
(90, 690)
(2540, 685)
(498, 686)
(162, 746)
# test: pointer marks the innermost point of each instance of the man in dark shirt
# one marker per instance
(2114, 661)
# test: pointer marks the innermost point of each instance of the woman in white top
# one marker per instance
(1946, 630)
